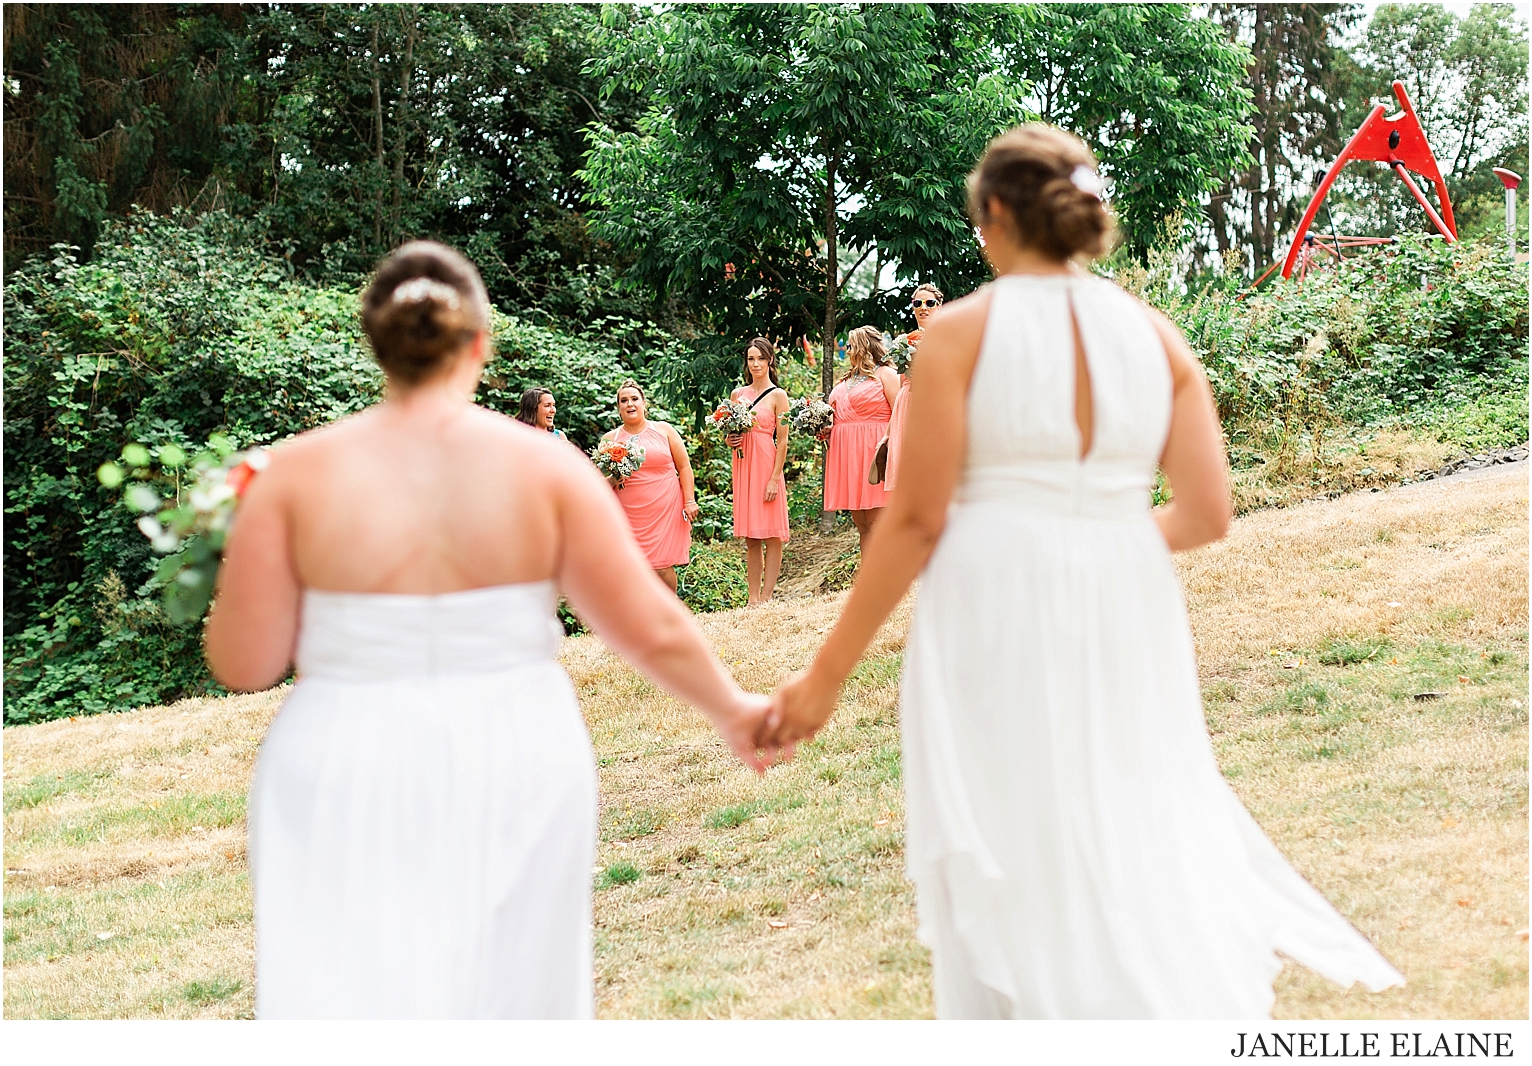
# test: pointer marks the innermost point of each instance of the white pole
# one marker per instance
(1510, 179)
(1510, 220)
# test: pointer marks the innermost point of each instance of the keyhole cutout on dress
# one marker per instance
(1085, 413)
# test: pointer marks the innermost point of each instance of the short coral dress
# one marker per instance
(755, 517)
(861, 420)
(896, 435)
(651, 499)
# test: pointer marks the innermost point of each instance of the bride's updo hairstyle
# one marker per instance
(425, 302)
(1048, 180)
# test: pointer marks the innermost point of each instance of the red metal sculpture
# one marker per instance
(1397, 140)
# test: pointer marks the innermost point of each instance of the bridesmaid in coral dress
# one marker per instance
(760, 497)
(863, 403)
(660, 498)
(923, 304)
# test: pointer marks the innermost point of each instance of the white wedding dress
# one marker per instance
(1075, 850)
(423, 815)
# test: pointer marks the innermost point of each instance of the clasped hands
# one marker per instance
(766, 730)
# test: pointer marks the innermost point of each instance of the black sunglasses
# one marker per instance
(925, 303)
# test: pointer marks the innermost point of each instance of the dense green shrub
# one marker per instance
(714, 580)
(174, 330)
(1399, 337)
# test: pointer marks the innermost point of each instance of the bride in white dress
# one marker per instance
(1075, 850)
(423, 814)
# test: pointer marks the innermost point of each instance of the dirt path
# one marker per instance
(1317, 626)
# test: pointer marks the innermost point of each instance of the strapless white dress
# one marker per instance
(1075, 850)
(422, 817)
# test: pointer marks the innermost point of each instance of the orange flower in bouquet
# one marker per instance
(616, 460)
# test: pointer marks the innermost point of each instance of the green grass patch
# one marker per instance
(1350, 652)
(877, 671)
(618, 873)
(1301, 697)
(632, 824)
(733, 816)
(44, 787)
(211, 990)
(172, 816)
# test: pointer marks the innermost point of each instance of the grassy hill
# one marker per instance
(723, 895)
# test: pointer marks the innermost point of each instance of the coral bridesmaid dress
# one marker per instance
(896, 435)
(861, 420)
(755, 460)
(652, 500)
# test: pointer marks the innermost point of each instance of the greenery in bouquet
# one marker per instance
(732, 417)
(811, 417)
(185, 510)
(617, 460)
(901, 350)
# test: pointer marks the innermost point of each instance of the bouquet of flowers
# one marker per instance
(618, 461)
(902, 351)
(731, 417)
(189, 526)
(812, 416)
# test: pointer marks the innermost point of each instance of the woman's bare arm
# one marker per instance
(1194, 461)
(684, 469)
(888, 377)
(607, 579)
(775, 483)
(936, 433)
(252, 629)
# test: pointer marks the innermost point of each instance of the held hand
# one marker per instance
(691, 511)
(799, 708)
(741, 729)
(772, 488)
(734, 440)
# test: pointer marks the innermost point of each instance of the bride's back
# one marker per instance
(1023, 431)
(423, 495)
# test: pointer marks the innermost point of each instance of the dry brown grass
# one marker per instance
(1349, 461)
(784, 896)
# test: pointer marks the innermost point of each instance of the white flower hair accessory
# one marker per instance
(1087, 181)
(419, 290)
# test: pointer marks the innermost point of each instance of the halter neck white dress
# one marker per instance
(1076, 852)
(423, 815)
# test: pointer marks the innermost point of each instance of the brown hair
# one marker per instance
(425, 302)
(531, 400)
(1032, 170)
(926, 286)
(629, 383)
(768, 350)
(864, 351)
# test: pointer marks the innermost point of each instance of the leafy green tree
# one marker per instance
(1300, 77)
(341, 129)
(1157, 92)
(110, 105)
(778, 137)
(1467, 78)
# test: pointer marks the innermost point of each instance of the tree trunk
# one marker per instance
(827, 370)
(377, 121)
(400, 125)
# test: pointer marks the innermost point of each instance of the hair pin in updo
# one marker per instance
(421, 289)
(1087, 181)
